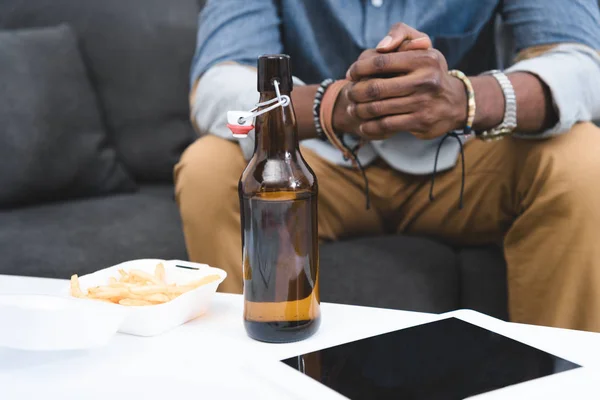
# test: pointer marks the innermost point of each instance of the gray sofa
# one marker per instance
(137, 55)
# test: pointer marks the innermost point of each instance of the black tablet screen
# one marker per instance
(446, 359)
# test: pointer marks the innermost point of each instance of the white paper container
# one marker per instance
(40, 322)
(154, 320)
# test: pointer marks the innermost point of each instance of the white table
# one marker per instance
(212, 357)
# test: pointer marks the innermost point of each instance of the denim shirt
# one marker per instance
(324, 37)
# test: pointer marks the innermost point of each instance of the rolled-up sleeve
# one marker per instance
(571, 70)
(572, 73)
(235, 30)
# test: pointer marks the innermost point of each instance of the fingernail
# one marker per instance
(384, 42)
(360, 129)
(348, 76)
(419, 39)
(346, 92)
(350, 109)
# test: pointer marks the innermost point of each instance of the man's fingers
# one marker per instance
(380, 64)
(422, 43)
(401, 33)
(421, 81)
(391, 64)
(386, 126)
(382, 108)
(368, 54)
(400, 38)
(379, 89)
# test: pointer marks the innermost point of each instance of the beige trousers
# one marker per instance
(542, 198)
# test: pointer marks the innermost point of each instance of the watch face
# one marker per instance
(447, 359)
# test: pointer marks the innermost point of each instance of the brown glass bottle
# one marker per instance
(278, 203)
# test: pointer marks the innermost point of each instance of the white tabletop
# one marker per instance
(213, 357)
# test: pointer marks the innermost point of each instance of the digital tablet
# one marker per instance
(447, 359)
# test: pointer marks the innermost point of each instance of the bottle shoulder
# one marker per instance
(286, 173)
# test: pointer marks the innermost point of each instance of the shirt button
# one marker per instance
(377, 3)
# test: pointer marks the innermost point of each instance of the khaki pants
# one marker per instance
(542, 198)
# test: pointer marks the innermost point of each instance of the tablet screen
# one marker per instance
(446, 359)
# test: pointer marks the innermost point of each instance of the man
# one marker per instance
(537, 189)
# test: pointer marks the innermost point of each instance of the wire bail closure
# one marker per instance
(240, 122)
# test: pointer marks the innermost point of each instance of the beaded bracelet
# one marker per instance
(471, 106)
(317, 107)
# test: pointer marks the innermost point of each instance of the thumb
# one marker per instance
(404, 35)
(421, 43)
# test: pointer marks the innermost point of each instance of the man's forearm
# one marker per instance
(555, 87)
(534, 103)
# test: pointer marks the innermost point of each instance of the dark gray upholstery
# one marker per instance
(57, 240)
(415, 274)
(49, 112)
(482, 280)
(138, 54)
(408, 273)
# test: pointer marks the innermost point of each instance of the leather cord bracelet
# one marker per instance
(467, 130)
(326, 120)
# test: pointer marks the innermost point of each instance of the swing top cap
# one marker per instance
(275, 67)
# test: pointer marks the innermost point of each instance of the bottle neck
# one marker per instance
(276, 130)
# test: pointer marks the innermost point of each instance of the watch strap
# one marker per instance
(509, 122)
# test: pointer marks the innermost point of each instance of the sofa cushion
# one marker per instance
(482, 275)
(399, 272)
(57, 240)
(138, 53)
(54, 145)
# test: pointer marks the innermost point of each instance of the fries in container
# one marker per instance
(160, 294)
(138, 288)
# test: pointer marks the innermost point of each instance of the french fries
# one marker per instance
(142, 276)
(134, 302)
(160, 272)
(75, 288)
(138, 288)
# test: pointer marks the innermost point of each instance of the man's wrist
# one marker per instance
(461, 103)
(490, 103)
(488, 97)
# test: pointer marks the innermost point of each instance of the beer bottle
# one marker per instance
(278, 202)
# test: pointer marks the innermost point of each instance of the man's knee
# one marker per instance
(567, 167)
(208, 168)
